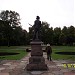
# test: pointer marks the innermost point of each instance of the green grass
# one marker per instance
(22, 52)
(13, 49)
(63, 49)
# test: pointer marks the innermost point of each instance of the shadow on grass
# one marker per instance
(65, 53)
(7, 53)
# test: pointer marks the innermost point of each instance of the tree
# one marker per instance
(11, 23)
(24, 38)
(11, 16)
(44, 32)
(62, 39)
(64, 30)
(1, 32)
(57, 32)
(30, 33)
(71, 35)
(49, 35)
(5, 32)
(64, 35)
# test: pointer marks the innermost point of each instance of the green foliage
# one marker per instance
(56, 36)
(46, 33)
(57, 32)
(11, 32)
(11, 16)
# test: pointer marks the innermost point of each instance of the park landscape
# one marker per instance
(15, 43)
(23, 52)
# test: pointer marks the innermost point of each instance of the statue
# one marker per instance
(36, 27)
(36, 61)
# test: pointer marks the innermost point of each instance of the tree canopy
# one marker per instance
(11, 32)
(11, 16)
(56, 36)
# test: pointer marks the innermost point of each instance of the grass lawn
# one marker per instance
(22, 52)
(63, 49)
(13, 49)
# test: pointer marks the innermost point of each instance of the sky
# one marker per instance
(57, 13)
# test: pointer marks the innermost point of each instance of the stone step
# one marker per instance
(4, 73)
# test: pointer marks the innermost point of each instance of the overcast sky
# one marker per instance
(57, 13)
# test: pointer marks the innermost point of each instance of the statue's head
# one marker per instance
(37, 17)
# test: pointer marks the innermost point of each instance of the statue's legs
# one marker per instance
(36, 34)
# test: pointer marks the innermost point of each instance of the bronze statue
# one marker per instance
(36, 27)
(36, 61)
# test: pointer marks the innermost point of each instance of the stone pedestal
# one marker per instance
(36, 61)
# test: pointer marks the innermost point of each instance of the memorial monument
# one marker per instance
(36, 61)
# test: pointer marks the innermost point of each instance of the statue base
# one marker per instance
(36, 61)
